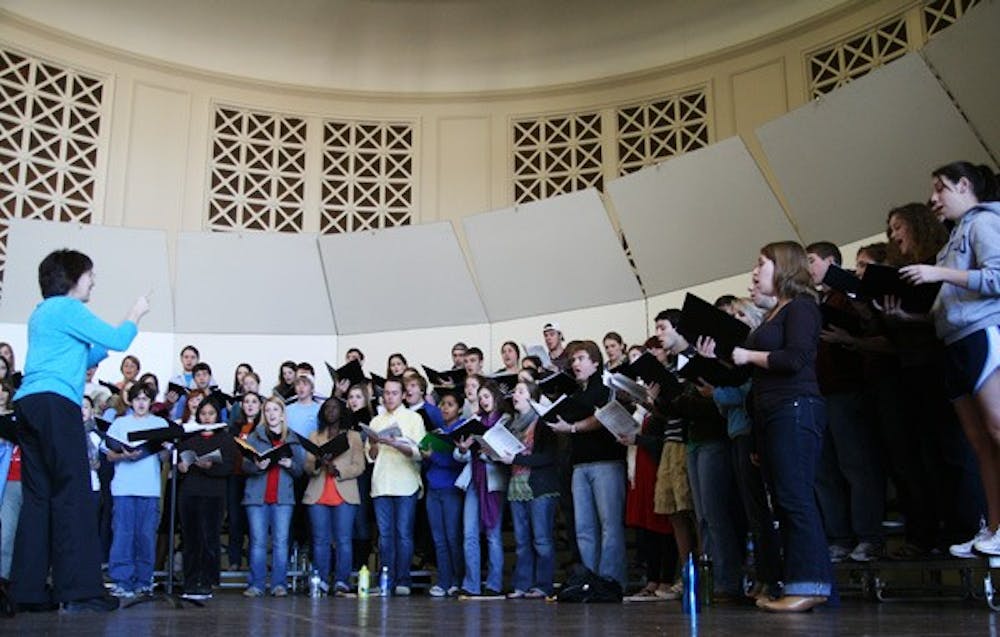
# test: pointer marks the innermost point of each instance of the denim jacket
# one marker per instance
(731, 402)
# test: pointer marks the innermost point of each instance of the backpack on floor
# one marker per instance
(587, 587)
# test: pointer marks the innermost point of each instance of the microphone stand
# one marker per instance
(172, 434)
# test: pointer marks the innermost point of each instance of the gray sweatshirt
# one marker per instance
(974, 245)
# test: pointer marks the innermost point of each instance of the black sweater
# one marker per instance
(208, 482)
(791, 337)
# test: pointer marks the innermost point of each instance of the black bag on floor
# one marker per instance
(587, 587)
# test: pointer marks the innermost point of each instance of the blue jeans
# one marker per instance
(710, 472)
(599, 508)
(276, 518)
(363, 520)
(793, 439)
(850, 485)
(394, 515)
(133, 545)
(444, 512)
(10, 511)
(334, 523)
(494, 547)
(534, 526)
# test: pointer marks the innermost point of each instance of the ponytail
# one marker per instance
(981, 177)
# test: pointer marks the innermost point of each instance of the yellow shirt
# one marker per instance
(395, 473)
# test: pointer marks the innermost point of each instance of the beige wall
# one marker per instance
(158, 118)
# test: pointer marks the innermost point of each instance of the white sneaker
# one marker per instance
(866, 552)
(839, 553)
(964, 550)
(437, 591)
(402, 591)
(988, 546)
(121, 592)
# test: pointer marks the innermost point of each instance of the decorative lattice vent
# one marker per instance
(556, 155)
(655, 130)
(368, 176)
(257, 171)
(50, 126)
(941, 14)
(857, 55)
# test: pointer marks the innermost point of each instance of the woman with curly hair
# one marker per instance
(940, 486)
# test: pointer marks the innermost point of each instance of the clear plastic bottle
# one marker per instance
(750, 566)
(315, 584)
(383, 581)
(690, 602)
(364, 581)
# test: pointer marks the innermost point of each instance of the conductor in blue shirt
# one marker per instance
(58, 525)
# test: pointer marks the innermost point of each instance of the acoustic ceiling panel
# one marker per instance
(844, 160)
(250, 283)
(965, 57)
(549, 256)
(127, 264)
(698, 217)
(399, 278)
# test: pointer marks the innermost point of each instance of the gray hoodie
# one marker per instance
(974, 245)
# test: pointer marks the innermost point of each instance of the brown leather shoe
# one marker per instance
(791, 603)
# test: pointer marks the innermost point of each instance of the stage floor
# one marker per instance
(231, 614)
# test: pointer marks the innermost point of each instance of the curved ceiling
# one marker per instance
(422, 46)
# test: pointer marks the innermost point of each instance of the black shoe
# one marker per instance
(99, 604)
(37, 607)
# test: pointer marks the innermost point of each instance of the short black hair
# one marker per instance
(361, 355)
(192, 348)
(534, 359)
(673, 315)
(305, 367)
(825, 250)
(725, 301)
(60, 270)
(141, 388)
(475, 351)
(201, 367)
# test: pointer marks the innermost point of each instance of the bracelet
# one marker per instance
(572, 428)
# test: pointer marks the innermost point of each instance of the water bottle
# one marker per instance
(315, 588)
(364, 578)
(705, 584)
(690, 601)
(383, 581)
(750, 567)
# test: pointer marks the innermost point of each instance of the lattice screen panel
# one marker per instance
(50, 122)
(557, 155)
(941, 14)
(856, 56)
(653, 131)
(368, 176)
(257, 171)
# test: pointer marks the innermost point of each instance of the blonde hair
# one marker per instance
(284, 420)
(791, 269)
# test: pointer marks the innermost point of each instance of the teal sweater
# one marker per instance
(65, 339)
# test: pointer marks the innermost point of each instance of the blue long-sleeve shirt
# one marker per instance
(64, 340)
